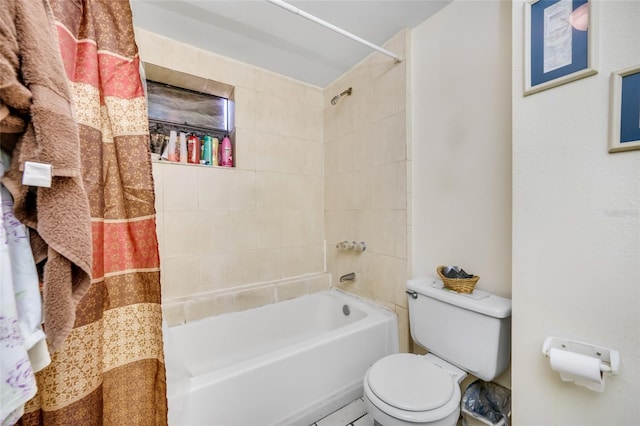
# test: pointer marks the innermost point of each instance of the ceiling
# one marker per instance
(267, 36)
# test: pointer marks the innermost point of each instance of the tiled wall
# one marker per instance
(366, 172)
(225, 231)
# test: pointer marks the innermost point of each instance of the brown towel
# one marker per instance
(34, 91)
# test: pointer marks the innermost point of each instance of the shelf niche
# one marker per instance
(187, 103)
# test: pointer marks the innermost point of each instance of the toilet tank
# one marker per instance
(471, 331)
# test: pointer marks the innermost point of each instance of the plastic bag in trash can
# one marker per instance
(488, 401)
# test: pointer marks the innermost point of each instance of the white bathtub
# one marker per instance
(288, 363)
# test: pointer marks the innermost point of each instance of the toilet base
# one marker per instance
(380, 418)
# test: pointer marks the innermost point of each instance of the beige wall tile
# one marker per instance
(268, 147)
(365, 142)
(313, 161)
(292, 228)
(212, 267)
(255, 297)
(209, 306)
(269, 83)
(383, 230)
(268, 229)
(181, 234)
(339, 192)
(390, 185)
(240, 189)
(363, 107)
(318, 283)
(387, 145)
(245, 151)
(239, 268)
(404, 335)
(268, 188)
(301, 260)
(268, 263)
(311, 96)
(366, 179)
(213, 188)
(221, 229)
(311, 196)
(384, 94)
(340, 155)
(181, 277)
(291, 290)
(290, 188)
(173, 313)
(245, 108)
(241, 75)
(268, 115)
(366, 188)
(214, 231)
(290, 152)
(312, 227)
(180, 187)
(241, 231)
(340, 226)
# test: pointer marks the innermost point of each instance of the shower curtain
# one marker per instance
(110, 369)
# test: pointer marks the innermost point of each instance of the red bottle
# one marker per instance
(193, 149)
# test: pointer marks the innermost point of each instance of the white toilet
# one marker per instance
(464, 333)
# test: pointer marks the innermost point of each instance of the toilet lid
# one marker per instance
(410, 382)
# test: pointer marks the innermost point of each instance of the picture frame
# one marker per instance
(624, 120)
(561, 43)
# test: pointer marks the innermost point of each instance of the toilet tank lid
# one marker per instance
(479, 301)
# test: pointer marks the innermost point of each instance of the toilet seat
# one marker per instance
(411, 388)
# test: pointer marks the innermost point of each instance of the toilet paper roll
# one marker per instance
(581, 369)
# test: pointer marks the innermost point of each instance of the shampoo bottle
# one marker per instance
(226, 155)
(171, 147)
(183, 148)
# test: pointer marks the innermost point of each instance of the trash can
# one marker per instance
(486, 404)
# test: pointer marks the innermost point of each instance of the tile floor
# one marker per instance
(353, 414)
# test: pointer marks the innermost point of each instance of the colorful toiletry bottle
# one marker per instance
(183, 148)
(226, 155)
(193, 149)
(207, 142)
(172, 147)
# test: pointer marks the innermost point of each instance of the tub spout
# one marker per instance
(348, 277)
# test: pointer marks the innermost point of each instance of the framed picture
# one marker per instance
(624, 120)
(560, 42)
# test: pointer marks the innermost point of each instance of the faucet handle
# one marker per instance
(359, 246)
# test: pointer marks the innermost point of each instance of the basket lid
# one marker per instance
(479, 301)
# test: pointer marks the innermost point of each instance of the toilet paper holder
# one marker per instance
(609, 358)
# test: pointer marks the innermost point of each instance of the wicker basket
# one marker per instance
(461, 285)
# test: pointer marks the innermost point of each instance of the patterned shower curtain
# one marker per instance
(110, 370)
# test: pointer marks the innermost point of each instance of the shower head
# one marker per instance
(336, 98)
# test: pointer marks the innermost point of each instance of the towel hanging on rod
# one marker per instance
(332, 27)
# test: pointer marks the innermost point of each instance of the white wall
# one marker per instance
(461, 132)
(461, 149)
(576, 234)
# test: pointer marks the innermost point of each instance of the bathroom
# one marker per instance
(457, 167)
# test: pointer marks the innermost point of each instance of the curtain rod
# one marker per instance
(332, 27)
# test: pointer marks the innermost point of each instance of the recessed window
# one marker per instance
(188, 104)
(178, 107)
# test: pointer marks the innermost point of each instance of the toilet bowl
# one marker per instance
(408, 389)
(462, 332)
